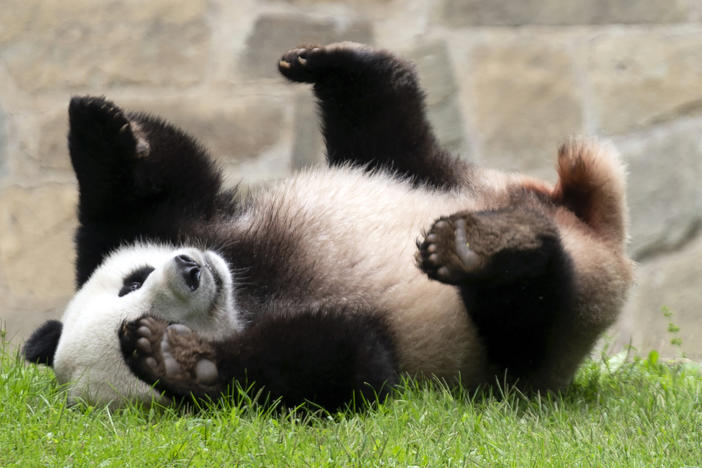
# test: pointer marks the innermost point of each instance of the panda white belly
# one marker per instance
(359, 235)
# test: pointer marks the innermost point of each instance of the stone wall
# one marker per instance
(507, 81)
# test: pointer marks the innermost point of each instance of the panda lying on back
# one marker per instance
(397, 258)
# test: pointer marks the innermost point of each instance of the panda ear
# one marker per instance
(41, 346)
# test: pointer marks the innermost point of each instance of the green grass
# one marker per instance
(640, 413)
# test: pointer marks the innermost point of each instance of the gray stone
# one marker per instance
(460, 13)
(53, 148)
(230, 130)
(671, 283)
(364, 2)
(36, 254)
(3, 143)
(307, 148)
(80, 44)
(644, 77)
(665, 194)
(273, 34)
(524, 101)
(437, 79)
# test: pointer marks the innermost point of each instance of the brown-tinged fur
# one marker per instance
(591, 185)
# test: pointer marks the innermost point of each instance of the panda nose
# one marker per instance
(189, 270)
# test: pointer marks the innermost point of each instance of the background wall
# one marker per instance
(507, 82)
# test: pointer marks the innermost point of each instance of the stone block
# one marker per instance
(308, 145)
(53, 143)
(436, 74)
(641, 78)
(273, 34)
(525, 103)
(672, 282)
(231, 130)
(461, 13)
(664, 191)
(80, 43)
(36, 255)
(36, 247)
(3, 143)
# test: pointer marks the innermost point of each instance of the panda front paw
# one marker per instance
(170, 356)
(309, 64)
(99, 128)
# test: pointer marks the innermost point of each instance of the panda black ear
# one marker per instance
(41, 346)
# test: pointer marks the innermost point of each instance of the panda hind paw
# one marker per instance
(445, 254)
(171, 356)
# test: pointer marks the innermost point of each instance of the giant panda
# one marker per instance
(394, 259)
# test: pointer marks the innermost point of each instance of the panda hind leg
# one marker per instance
(499, 246)
(514, 276)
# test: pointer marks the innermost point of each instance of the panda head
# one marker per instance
(184, 285)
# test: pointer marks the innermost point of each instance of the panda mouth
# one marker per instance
(218, 286)
(215, 276)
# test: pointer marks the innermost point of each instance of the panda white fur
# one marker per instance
(397, 258)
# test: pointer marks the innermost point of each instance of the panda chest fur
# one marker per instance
(341, 238)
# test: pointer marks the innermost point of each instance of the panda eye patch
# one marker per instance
(134, 280)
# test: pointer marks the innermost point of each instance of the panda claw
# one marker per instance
(307, 64)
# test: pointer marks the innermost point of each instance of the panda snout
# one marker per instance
(189, 270)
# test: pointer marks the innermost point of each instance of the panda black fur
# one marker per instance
(310, 287)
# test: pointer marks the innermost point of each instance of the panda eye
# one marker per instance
(134, 280)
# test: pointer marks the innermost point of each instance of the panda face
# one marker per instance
(184, 285)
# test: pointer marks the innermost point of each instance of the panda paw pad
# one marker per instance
(445, 254)
(172, 355)
(306, 64)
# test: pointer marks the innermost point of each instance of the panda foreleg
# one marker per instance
(138, 177)
(514, 276)
(326, 358)
(372, 111)
(103, 146)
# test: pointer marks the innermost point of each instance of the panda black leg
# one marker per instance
(514, 276)
(372, 111)
(326, 358)
(104, 146)
(138, 178)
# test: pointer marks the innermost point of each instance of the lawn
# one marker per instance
(636, 413)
